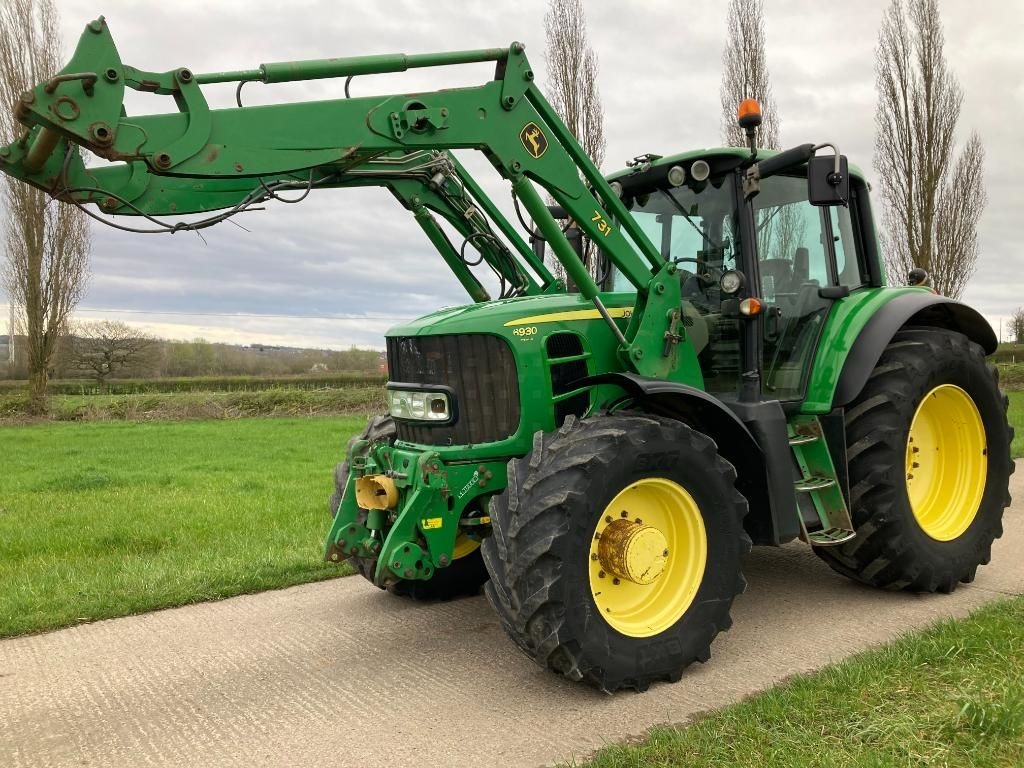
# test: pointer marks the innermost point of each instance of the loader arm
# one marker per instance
(130, 189)
(202, 159)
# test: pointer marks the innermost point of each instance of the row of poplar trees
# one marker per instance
(933, 193)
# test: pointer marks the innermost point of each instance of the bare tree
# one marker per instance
(47, 243)
(572, 76)
(103, 348)
(1017, 325)
(572, 86)
(932, 200)
(745, 74)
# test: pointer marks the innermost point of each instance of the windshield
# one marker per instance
(693, 225)
(696, 226)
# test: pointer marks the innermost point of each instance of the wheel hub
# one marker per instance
(647, 557)
(946, 462)
(633, 551)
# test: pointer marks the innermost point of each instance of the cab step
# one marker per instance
(817, 478)
(802, 439)
(814, 484)
(829, 538)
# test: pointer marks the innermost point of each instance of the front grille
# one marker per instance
(481, 371)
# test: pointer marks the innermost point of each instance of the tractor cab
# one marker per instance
(773, 257)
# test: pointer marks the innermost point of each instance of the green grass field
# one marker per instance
(952, 695)
(103, 520)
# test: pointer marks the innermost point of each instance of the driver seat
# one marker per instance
(779, 271)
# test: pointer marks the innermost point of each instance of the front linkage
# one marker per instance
(405, 513)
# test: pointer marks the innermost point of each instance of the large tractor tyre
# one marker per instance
(928, 446)
(466, 574)
(616, 549)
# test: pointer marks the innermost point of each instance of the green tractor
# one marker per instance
(722, 365)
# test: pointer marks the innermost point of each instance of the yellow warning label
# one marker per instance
(430, 523)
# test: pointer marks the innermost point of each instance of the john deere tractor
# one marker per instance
(722, 365)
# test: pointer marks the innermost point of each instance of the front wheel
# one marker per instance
(928, 446)
(616, 549)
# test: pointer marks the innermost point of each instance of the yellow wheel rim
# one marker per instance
(464, 546)
(647, 557)
(947, 462)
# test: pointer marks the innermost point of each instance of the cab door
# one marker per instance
(796, 250)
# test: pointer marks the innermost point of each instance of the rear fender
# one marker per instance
(910, 309)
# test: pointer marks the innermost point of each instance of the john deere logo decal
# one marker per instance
(534, 140)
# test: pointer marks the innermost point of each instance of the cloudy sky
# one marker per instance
(338, 269)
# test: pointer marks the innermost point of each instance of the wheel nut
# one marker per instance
(624, 513)
(616, 582)
(600, 574)
(593, 555)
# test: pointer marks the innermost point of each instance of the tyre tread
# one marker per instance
(881, 555)
(525, 573)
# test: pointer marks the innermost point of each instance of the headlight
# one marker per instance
(731, 282)
(420, 405)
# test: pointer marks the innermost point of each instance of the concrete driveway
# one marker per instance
(340, 674)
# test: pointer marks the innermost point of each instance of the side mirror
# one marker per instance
(828, 180)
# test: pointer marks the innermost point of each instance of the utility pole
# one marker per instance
(10, 337)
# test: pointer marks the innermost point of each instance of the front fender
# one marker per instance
(753, 440)
(862, 325)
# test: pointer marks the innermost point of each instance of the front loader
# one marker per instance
(734, 370)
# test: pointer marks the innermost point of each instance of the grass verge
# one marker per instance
(1017, 422)
(1011, 376)
(104, 520)
(203, 405)
(199, 384)
(952, 695)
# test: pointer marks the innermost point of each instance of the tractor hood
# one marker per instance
(501, 315)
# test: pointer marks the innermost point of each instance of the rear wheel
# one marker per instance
(928, 446)
(465, 575)
(616, 549)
